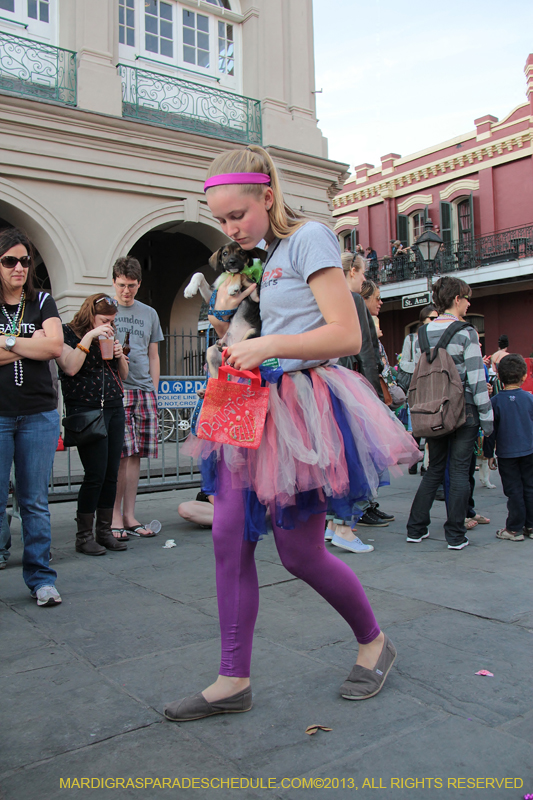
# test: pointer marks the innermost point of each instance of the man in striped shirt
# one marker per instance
(451, 297)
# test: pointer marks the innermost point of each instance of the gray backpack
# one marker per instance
(436, 392)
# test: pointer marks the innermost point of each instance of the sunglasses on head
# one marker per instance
(10, 262)
(109, 300)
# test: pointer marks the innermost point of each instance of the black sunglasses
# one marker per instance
(10, 262)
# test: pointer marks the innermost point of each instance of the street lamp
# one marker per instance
(429, 244)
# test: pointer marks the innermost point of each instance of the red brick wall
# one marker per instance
(513, 193)
(510, 313)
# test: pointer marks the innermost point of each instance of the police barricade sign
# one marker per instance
(179, 391)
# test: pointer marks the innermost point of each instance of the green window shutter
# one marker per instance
(471, 198)
(446, 222)
(402, 229)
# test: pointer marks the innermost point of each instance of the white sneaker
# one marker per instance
(459, 546)
(355, 546)
(328, 536)
(47, 596)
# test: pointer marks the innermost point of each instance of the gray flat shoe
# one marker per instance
(197, 707)
(362, 683)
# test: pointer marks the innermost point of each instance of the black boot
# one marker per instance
(104, 518)
(84, 537)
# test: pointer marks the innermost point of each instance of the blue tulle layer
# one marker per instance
(306, 503)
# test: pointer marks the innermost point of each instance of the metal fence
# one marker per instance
(182, 356)
(454, 256)
(176, 103)
(33, 69)
(183, 353)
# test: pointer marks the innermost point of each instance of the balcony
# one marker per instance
(36, 70)
(482, 251)
(186, 106)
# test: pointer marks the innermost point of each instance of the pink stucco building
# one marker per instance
(477, 189)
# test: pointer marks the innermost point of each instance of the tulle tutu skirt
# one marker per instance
(328, 441)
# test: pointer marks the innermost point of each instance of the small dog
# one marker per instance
(236, 265)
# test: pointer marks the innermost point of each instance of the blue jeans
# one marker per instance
(5, 539)
(31, 441)
(455, 449)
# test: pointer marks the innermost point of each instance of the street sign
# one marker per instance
(413, 300)
(179, 391)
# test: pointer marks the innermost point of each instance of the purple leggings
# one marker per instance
(302, 553)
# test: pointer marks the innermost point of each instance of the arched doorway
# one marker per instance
(169, 255)
(49, 237)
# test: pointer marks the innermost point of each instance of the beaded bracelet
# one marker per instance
(81, 347)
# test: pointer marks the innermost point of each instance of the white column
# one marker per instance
(99, 86)
(279, 70)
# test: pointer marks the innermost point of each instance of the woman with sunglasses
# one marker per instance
(30, 336)
(87, 377)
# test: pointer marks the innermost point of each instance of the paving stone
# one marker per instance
(121, 622)
(55, 709)
(440, 654)
(156, 752)
(462, 749)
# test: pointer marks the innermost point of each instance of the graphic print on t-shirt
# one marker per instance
(271, 277)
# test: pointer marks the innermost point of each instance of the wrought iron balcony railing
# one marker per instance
(183, 105)
(33, 69)
(481, 251)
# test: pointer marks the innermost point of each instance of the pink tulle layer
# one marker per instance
(302, 446)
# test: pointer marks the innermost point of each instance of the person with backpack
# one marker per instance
(449, 401)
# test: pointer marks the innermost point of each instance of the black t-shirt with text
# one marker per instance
(37, 393)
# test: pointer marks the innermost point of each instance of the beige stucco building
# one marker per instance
(111, 112)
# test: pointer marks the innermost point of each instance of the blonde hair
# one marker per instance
(350, 261)
(284, 221)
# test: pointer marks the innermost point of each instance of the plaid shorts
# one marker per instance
(140, 435)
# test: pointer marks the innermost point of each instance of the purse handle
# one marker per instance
(225, 371)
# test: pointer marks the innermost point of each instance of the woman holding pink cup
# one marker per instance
(92, 368)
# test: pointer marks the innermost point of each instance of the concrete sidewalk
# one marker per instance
(84, 684)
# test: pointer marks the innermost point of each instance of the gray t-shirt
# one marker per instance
(286, 301)
(143, 324)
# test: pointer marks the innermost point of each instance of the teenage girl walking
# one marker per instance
(326, 436)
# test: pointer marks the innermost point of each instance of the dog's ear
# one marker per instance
(214, 261)
(257, 253)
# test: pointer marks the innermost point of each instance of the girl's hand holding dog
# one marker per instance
(227, 302)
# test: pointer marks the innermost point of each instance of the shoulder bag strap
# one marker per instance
(423, 340)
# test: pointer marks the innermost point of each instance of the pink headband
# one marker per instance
(236, 177)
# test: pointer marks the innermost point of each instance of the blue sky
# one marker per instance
(398, 76)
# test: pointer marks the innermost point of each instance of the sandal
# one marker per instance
(481, 520)
(470, 522)
(135, 531)
(122, 535)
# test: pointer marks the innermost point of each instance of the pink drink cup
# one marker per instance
(106, 347)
